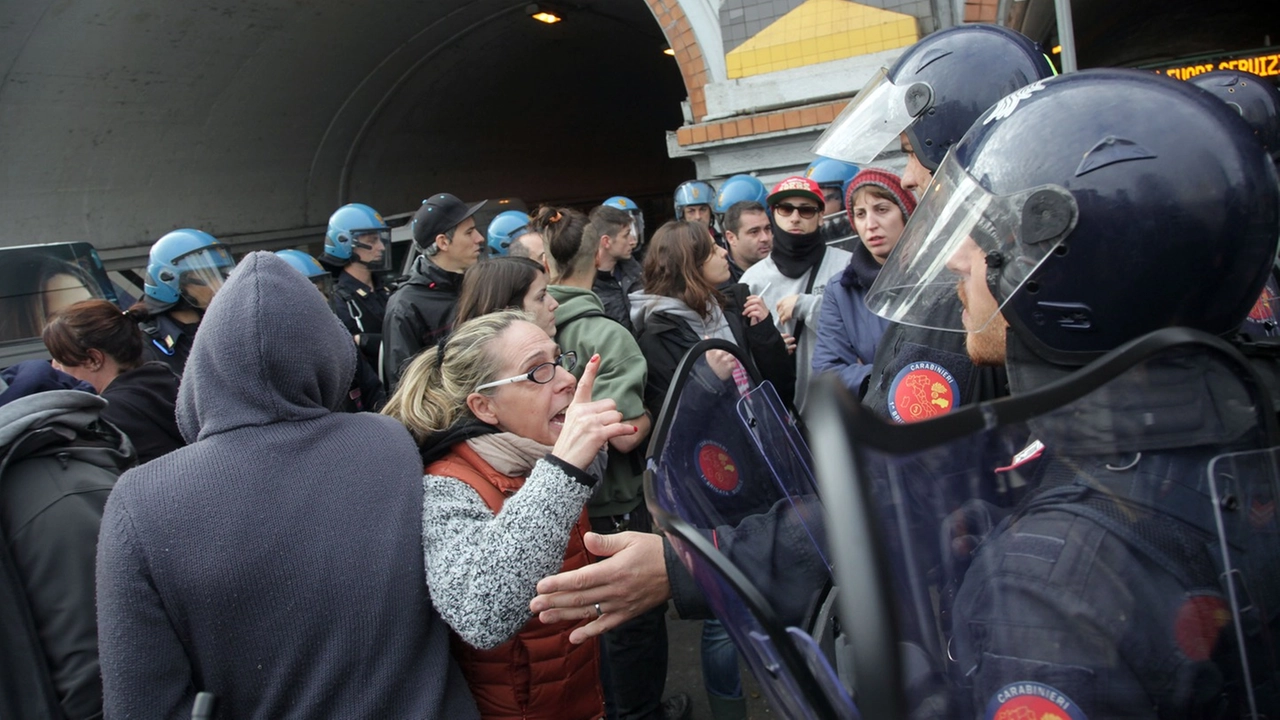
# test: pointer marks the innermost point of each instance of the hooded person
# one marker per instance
(58, 462)
(276, 561)
(792, 279)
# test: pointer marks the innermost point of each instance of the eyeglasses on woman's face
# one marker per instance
(542, 373)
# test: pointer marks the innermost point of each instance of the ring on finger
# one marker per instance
(599, 612)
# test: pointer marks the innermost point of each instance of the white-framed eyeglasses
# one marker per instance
(541, 374)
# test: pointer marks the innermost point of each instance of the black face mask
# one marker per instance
(795, 255)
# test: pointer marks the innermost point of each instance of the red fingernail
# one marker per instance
(635, 429)
(595, 358)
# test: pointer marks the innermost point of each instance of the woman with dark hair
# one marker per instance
(93, 341)
(36, 284)
(507, 283)
(680, 306)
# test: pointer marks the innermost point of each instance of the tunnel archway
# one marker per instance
(254, 120)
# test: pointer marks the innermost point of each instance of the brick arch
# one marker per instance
(680, 36)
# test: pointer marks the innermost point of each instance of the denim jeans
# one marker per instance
(719, 662)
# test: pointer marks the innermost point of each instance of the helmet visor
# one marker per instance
(201, 273)
(874, 120)
(372, 246)
(961, 230)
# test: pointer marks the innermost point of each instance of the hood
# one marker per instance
(644, 305)
(269, 350)
(574, 302)
(45, 415)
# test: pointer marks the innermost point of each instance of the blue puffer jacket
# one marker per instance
(849, 333)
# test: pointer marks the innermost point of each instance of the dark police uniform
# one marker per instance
(362, 309)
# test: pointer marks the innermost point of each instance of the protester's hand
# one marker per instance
(630, 580)
(786, 308)
(722, 363)
(588, 424)
(790, 342)
(754, 308)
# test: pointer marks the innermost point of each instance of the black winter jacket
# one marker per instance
(665, 339)
(419, 315)
(141, 403)
(613, 288)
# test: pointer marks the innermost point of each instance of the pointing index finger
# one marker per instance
(585, 385)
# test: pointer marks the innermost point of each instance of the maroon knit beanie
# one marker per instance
(883, 179)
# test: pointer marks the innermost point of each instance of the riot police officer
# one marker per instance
(186, 269)
(926, 101)
(1258, 102)
(504, 228)
(366, 392)
(1136, 578)
(357, 247)
(833, 177)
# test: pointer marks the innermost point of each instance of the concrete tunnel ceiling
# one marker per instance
(253, 119)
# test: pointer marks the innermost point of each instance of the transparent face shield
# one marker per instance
(874, 120)
(202, 273)
(962, 236)
(373, 248)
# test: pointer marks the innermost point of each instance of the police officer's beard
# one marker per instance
(985, 346)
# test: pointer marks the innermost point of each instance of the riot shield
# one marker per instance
(729, 480)
(1134, 575)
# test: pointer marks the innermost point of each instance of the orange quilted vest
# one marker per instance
(538, 674)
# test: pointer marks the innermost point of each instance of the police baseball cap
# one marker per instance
(801, 187)
(439, 214)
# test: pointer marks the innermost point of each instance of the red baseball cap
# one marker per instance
(796, 186)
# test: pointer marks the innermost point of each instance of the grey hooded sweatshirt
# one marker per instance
(276, 561)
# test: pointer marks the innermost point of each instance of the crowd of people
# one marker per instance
(343, 493)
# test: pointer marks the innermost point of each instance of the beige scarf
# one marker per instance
(515, 456)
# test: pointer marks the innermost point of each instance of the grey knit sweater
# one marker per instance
(483, 569)
(276, 561)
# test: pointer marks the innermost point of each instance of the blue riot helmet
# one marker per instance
(186, 265)
(358, 234)
(1102, 205)
(310, 268)
(637, 216)
(504, 228)
(933, 94)
(622, 203)
(737, 189)
(831, 173)
(1257, 101)
(692, 193)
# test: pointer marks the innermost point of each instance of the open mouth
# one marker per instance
(558, 419)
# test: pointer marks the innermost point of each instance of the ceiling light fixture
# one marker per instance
(670, 52)
(542, 14)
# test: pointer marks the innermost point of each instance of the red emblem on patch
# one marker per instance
(1264, 309)
(920, 391)
(1199, 623)
(718, 468)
